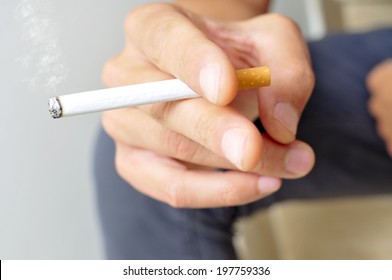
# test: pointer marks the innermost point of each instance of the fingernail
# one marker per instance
(268, 185)
(286, 114)
(299, 160)
(232, 145)
(209, 81)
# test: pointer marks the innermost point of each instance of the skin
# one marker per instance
(380, 103)
(169, 151)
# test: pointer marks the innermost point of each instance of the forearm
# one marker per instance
(226, 9)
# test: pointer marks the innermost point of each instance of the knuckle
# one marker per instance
(140, 14)
(303, 72)
(111, 122)
(180, 147)
(162, 111)
(228, 195)
(162, 37)
(284, 21)
(206, 124)
(300, 73)
(125, 166)
(108, 122)
(202, 127)
(157, 32)
(119, 164)
(130, 20)
(308, 77)
(311, 78)
(110, 72)
(174, 192)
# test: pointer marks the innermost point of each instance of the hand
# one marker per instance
(380, 103)
(158, 146)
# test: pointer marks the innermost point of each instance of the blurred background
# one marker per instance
(47, 199)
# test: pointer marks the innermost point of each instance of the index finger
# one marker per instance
(173, 40)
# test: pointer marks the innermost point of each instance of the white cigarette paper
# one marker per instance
(142, 94)
(119, 97)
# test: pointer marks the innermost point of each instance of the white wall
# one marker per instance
(47, 208)
(46, 193)
(307, 13)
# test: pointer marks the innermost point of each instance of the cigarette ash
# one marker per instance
(55, 108)
(44, 57)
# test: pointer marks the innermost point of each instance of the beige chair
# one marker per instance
(355, 228)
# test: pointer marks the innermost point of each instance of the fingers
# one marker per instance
(164, 41)
(285, 161)
(179, 43)
(221, 130)
(168, 181)
(174, 41)
(291, 161)
(148, 134)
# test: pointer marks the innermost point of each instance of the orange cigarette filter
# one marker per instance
(253, 77)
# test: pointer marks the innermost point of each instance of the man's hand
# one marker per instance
(164, 150)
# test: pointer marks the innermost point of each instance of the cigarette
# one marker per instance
(142, 94)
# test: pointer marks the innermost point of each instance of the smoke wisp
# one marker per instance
(44, 58)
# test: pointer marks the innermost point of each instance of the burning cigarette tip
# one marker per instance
(55, 108)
